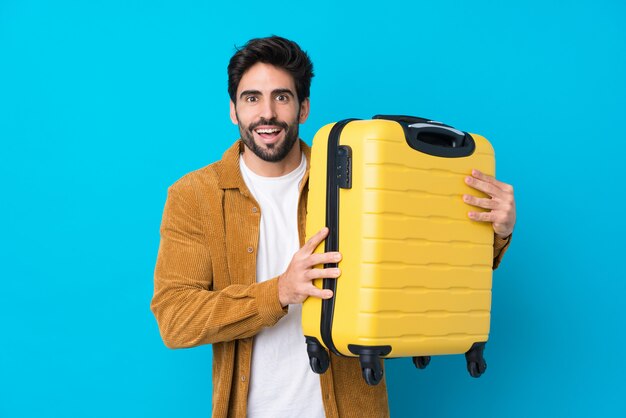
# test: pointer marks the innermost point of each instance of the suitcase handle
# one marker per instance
(433, 138)
(444, 136)
(403, 118)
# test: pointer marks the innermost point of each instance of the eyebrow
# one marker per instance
(283, 91)
(257, 92)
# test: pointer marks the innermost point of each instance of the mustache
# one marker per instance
(263, 121)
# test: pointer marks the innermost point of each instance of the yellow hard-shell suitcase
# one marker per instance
(416, 271)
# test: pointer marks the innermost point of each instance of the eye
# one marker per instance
(282, 98)
(251, 99)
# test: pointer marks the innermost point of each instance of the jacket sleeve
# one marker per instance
(500, 245)
(188, 311)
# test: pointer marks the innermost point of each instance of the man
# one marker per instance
(232, 269)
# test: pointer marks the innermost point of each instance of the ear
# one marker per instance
(305, 106)
(233, 113)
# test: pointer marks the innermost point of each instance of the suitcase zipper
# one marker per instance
(338, 175)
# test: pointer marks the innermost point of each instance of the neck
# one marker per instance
(273, 169)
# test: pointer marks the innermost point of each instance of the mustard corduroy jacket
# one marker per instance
(205, 289)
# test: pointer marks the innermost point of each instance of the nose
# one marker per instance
(267, 109)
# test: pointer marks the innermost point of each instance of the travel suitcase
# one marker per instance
(416, 271)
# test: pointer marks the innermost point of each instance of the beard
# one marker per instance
(271, 152)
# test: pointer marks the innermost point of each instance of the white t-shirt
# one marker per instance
(281, 382)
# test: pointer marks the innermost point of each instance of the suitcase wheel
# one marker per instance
(476, 364)
(318, 365)
(421, 361)
(476, 369)
(318, 357)
(372, 369)
(372, 377)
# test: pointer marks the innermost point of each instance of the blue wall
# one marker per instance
(103, 104)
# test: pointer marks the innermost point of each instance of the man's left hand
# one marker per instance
(501, 203)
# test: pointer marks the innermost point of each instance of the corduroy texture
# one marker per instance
(205, 289)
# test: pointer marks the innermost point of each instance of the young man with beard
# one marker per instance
(233, 268)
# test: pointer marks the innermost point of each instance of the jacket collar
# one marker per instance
(229, 173)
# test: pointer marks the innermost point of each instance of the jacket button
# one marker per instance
(255, 210)
(250, 249)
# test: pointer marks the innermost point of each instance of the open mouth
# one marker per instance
(268, 133)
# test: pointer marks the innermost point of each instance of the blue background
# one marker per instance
(104, 104)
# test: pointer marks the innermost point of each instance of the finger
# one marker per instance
(329, 273)
(483, 186)
(318, 293)
(323, 258)
(480, 202)
(482, 216)
(490, 179)
(502, 230)
(315, 240)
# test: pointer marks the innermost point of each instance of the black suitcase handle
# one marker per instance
(402, 118)
(433, 138)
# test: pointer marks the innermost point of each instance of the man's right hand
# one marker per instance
(296, 283)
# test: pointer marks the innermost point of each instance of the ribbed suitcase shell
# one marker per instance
(416, 271)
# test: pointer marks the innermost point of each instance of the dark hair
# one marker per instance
(276, 51)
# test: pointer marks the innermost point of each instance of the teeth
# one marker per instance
(267, 131)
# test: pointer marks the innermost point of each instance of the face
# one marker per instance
(267, 111)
